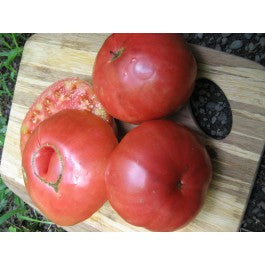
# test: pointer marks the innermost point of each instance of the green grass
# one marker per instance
(3, 122)
(10, 50)
(17, 211)
(15, 215)
(11, 47)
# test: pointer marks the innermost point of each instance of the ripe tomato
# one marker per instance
(139, 77)
(158, 175)
(64, 162)
(69, 93)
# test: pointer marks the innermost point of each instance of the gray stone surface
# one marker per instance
(236, 44)
(253, 48)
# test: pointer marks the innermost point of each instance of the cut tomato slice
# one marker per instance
(69, 93)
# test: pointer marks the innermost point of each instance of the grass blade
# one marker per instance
(6, 44)
(22, 217)
(4, 54)
(18, 202)
(12, 55)
(2, 185)
(3, 204)
(14, 40)
(8, 215)
(5, 89)
(12, 229)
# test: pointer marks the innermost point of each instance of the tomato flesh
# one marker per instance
(158, 175)
(64, 162)
(69, 93)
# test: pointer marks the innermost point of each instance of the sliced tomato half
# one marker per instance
(69, 93)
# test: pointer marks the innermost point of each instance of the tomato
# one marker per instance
(64, 162)
(69, 93)
(139, 77)
(158, 175)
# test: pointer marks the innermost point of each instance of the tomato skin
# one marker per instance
(152, 76)
(158, 175)
(84, 143)
(68, 93)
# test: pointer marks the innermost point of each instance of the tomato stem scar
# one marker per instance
(179, 184)
(116, 54)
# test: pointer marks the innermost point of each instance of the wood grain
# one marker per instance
(49, 57)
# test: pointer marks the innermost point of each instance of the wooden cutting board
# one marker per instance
(49, 57)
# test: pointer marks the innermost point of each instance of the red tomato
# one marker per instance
(69, 93)
(64, 162)
(158, 175)
(139, 77)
